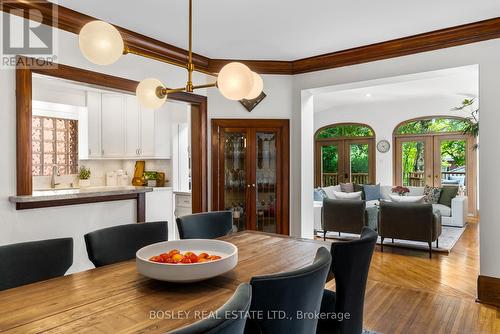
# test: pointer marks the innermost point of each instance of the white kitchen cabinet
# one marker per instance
(132, 134)
(159, 207)
(147, 131)
(162, 133)
(113, 125)
(93, 126)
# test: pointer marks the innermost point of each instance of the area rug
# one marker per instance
(447, 240)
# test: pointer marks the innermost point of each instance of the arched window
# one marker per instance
(344, 153)
(435, 151)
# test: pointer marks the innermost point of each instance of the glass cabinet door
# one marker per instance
(235, 177)
(265, 186)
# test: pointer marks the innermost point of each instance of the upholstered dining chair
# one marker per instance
(120, 243)
(343, 215)
(29, 262)
(289, 292)
(350, 265)
(228, 319)
(206, 225)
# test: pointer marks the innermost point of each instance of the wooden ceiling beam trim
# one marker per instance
(73, 21)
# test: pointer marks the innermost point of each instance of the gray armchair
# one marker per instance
(409, 221)
(342, 215)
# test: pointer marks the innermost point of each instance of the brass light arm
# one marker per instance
(206, 86)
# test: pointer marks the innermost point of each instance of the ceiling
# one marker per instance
(283, 30)
(461, 82)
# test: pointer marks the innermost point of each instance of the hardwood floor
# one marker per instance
(409, 293)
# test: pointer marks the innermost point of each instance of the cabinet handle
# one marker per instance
(102, 152)
(140, 151)
(90, 151)
(253, 185)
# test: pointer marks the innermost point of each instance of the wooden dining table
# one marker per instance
(117, 299)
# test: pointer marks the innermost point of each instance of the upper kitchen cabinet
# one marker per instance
(113, 125)
(93, 129)
(119, 128)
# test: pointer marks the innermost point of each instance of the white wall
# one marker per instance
(70, 221)
(383, 117)
(486, 55)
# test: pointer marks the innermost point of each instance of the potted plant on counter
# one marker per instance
(84, 177)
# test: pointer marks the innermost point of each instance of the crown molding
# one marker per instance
(73, 21)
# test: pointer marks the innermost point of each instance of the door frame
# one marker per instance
(471, 156)
(344, 142)
(283, 162)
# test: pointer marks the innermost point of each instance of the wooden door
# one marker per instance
(250, 172)
(414, 161)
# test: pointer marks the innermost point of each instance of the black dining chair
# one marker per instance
(350, 265)
(34, 261)
(206, 225)
(228, 319)
(288, 294)
(120, 243)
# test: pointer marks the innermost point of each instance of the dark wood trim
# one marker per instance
(488, 290)
(72, 21)
(24, 72)
(283, 128)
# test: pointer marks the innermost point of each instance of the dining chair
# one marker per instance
(228, 319)
(289, 294)
(206, 225)
(29, 262)
(120, 243)
(350, 265)
(343, 215)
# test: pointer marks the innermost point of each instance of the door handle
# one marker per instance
(253, 185)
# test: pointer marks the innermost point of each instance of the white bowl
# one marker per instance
(189, 272)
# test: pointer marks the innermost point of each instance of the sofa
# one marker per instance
(450, 216)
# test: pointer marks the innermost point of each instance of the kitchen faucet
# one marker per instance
(55, 172)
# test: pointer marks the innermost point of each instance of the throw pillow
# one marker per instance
(319, 194)
(407, 199)
(347, 187)
(342, 195)
(432, 194)
(372, 192)
(359, 187)
(447, 194)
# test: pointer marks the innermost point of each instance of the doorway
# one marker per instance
(345, 153)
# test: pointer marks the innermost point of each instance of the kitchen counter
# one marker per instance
(62, 197)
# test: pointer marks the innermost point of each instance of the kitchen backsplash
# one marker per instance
(99, 168)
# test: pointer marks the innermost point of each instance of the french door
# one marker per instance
(437, 160)
(250, 173)
(344, 161)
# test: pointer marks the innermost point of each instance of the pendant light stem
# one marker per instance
(190, 65)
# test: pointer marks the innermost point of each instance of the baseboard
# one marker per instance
(488, 290)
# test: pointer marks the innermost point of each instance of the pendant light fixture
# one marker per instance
(102, 44)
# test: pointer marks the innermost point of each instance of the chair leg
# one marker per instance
(382, 244)
(339, 234)
(430, 250)
(437, 243)
(324, 235)
(392, 240)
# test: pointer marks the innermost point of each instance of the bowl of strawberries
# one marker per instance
(186, 261)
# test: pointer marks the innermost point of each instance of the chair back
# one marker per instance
(350, 266)
(289, 292)
(343, 215)
(206, 225)
(120, 243)
(409, 221)
(30, 262)
(228, 319)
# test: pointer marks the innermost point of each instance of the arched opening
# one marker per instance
(344, 153)
(434, 151)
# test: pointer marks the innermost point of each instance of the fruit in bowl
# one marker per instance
(174, 256)
(189, 260)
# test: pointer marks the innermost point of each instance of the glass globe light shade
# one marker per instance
(235, 81)
(101, 43)
(147, 93)
(258, 86)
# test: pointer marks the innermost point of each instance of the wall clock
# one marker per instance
(383, 146)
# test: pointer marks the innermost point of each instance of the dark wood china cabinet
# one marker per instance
(250, 172)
